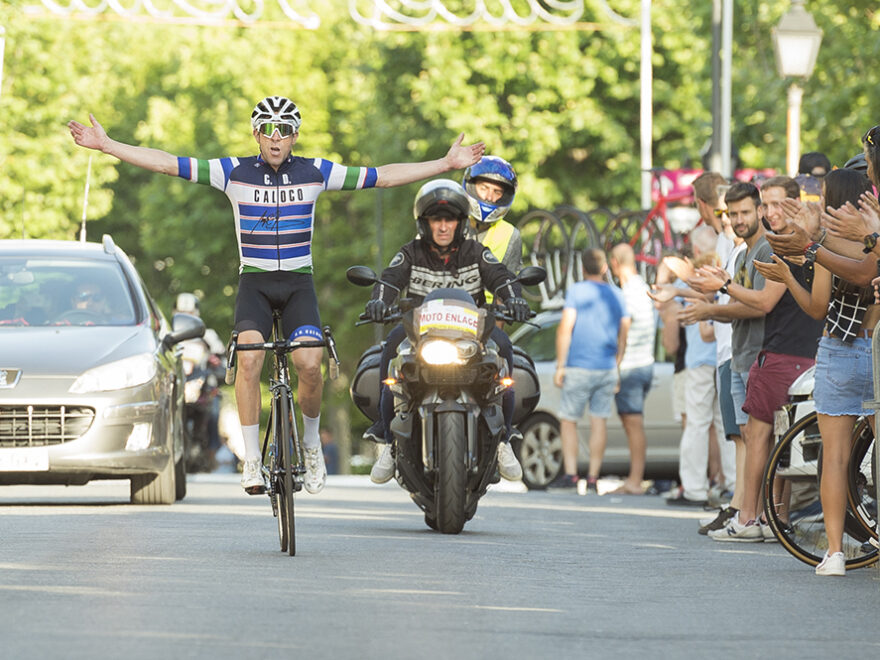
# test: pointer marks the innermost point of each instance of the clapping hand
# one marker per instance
(777, 271)
(792, 243)
(709, 279)
(851, 223)
(663, 293)
(695, 312)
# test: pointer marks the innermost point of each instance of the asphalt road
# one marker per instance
(534, 575)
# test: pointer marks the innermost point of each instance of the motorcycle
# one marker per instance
(201, 394)
(447, 381)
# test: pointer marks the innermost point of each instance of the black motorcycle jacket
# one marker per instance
(417, 269)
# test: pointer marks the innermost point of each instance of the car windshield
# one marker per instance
(44, 291)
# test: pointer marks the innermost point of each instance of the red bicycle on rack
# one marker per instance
(663, 227)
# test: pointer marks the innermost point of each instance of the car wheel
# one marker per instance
(154, 488)
(540, 450)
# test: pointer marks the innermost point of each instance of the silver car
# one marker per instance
(540, 451)
(91, 386)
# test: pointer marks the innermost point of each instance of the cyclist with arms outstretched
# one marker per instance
(273, 198)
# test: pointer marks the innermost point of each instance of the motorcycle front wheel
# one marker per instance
(451, 482)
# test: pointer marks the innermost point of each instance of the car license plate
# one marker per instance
(24, 459)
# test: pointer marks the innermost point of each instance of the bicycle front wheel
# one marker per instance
(791, 499)
(286, 522)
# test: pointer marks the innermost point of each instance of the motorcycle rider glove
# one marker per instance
(375, 309)
(518, 308)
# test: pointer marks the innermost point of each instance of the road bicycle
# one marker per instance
(662, 228)
(791, 494)
(283, 452)
(555, 240)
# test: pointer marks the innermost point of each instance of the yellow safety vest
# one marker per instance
(497, 239)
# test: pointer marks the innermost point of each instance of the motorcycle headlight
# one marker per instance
(130, 372)
(440, 352)
(467, 349)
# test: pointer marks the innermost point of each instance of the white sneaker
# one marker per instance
(736, 531)
(252, 477)
(508, 466)
(832, 564)
(316, 471)
(383, 468)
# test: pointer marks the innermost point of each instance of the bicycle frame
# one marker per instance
(282, 449)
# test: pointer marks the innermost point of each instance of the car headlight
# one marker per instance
(130, 372)
(439, 352)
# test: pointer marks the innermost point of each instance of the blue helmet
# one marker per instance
(497, 170)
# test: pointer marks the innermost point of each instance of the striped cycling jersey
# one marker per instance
(275, 211)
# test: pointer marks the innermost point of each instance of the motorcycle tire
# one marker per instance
(451, 484)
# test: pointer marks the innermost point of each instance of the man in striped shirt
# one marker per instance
(637, 365)
(273, 197)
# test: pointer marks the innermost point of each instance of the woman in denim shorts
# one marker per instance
(844, 372)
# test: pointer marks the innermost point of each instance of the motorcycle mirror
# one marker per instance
(361, 276)
(531, 275)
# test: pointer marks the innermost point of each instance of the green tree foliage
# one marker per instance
(562, 106)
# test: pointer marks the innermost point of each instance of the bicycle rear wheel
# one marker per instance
(286, 520)
(545, 243)
(862, 483)
(797, 519)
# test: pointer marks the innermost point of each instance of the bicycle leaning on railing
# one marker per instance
(283, 453)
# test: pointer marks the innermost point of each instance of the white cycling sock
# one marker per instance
(251, 437)
(311, 431)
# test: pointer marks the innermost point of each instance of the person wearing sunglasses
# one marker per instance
(273, 197)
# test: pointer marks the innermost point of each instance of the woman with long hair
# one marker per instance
(844, 368)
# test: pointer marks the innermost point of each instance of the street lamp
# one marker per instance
(796, 42)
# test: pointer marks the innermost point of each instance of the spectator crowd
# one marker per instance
(777, 278)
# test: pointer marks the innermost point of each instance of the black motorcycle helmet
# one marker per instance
(441, 197)
(857, 162)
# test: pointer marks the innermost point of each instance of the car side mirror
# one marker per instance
(183, 327)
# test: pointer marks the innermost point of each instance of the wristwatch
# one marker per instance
(723, 287)
(870, 241)
(810, 253)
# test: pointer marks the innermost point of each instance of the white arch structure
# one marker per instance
(391, 14)
(247, 12)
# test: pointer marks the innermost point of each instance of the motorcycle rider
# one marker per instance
(439, 257)
(203, 354)
(490, 185)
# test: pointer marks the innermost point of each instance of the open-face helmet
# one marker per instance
(441, 197)
(497, 170)
(276, 110)
(188, 303)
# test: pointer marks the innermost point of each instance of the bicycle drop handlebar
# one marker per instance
(282, 347)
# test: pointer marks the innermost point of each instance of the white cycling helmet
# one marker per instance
(276, 109)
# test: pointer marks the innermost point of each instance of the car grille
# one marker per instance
(37, 426)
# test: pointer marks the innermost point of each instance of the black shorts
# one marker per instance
(291, 293)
